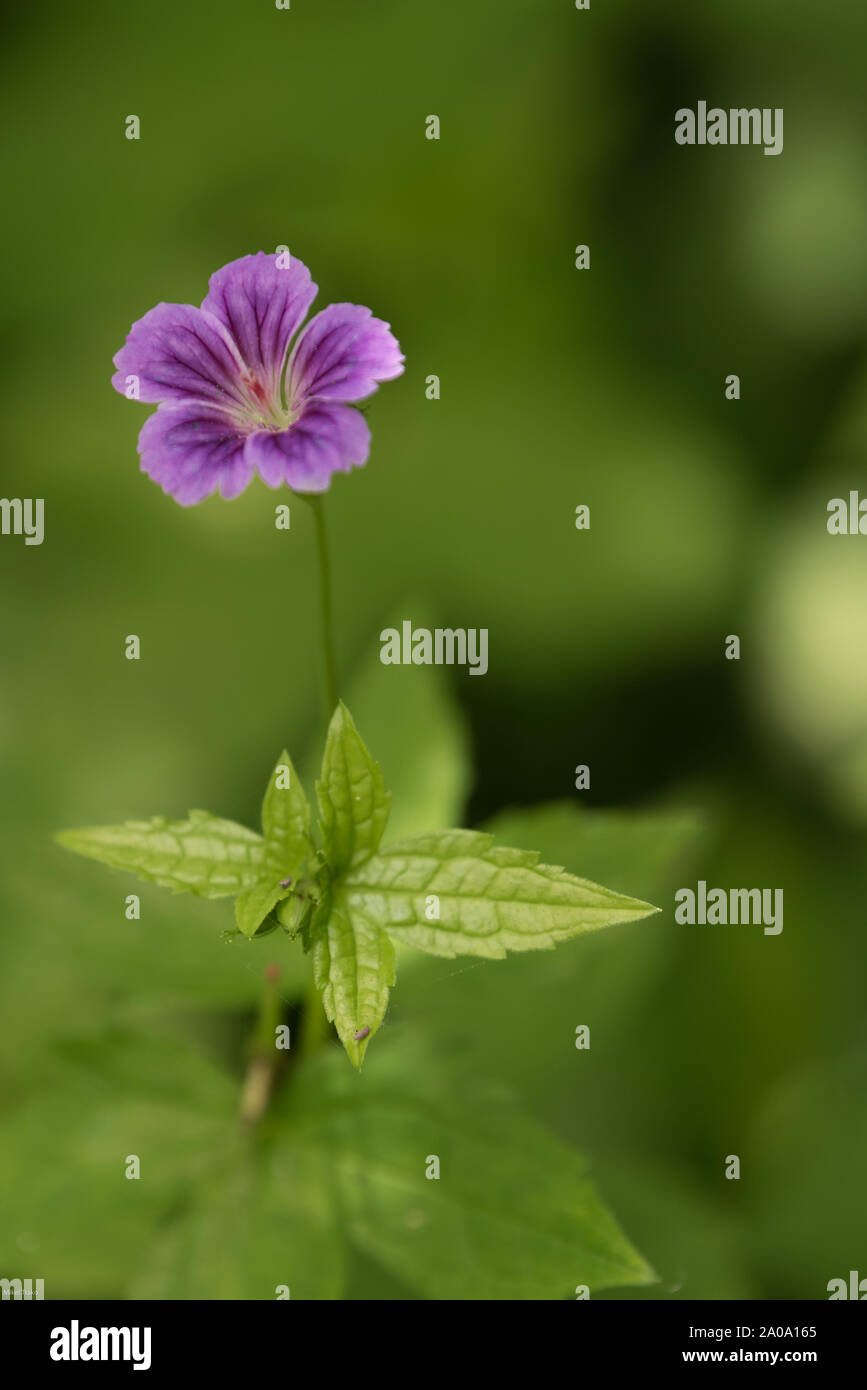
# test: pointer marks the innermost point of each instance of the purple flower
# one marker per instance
(221, 375)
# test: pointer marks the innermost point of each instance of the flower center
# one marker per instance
(264, 410)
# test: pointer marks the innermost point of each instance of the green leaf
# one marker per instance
(254, 905)
(806, 1219)
(353, 966)
(512, 1214)
(697, 1249)
(209, 1217)
(456, 893)
(65, 1152)
(285, 820)
(286, 828)
(204, 855)
(353, 801)
(249, 1231)
(338, 1159)
(110, 968)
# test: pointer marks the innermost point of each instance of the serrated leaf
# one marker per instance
(511, 1213)
(353, 801)
(285, 820)
(204, 855)
(353, 967)
(456, 893)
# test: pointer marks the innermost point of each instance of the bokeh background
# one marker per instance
(559, 387)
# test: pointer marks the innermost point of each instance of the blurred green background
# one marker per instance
(559, 387)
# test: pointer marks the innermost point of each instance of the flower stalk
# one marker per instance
(325, 607)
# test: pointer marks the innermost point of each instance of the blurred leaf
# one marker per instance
(455, 893)
(66, 1205)
(204, 855)
(109, 968)
(512, 1214)
(692, 1230)
(808, 1218)
(634, 851)
(353, 801)
(267, 1224)
(353, 964)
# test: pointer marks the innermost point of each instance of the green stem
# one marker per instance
(262, 1058)
(325, 605)
(314, 1024)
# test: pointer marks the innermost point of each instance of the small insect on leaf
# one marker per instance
(362, 1033)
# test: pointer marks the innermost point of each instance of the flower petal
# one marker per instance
(341, 355)
(261, 305)
(177, 351)
(193, 449)
(326, 438)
